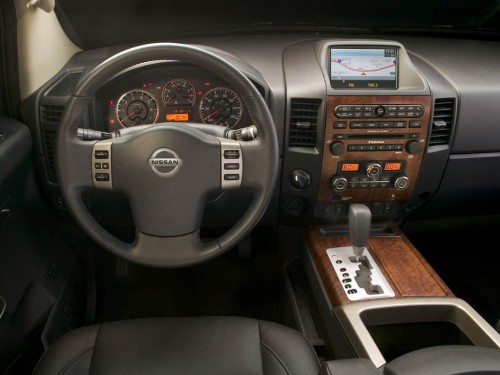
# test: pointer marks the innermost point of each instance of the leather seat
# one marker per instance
(181, 346)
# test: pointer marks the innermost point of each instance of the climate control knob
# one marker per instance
(337, 148)
(400, 182)
(300, 179)
(339, 183)
(413, 147)
(373, 169)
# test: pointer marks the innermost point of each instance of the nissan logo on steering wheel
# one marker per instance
(165, 162)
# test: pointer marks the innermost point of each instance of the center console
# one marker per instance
(361, 123)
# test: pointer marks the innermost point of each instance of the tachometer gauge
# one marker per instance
(137, 107)
(220, 106)
(178, 92)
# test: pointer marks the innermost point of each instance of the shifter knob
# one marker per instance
(359, 227)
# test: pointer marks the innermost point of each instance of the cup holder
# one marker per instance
(382, 330)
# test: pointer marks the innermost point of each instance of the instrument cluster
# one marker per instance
(171, 94)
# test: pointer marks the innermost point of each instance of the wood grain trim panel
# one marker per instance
(413, 162)
(403, 266)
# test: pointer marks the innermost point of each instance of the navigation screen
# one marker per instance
(363, 68)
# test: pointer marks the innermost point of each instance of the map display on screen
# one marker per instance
(363, 67)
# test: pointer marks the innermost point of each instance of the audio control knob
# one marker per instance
(339, 183)
(401, 182)
(337, 148)
(413, 147)
(379, 111)
(373, 169)
(300, 179)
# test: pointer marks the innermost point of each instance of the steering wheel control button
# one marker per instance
(231, 166)
(101, 165)
(231, 172)
(231, 177)
(231, 154)
(102, 176)
(101, 154)
(165, 162)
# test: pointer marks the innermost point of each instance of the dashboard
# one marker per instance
(169, 93)
(414, 136)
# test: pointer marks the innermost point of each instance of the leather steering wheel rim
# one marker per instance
(259, 159)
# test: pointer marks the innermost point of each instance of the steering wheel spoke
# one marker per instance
(171, 251)
(79, 169)
(254, 174)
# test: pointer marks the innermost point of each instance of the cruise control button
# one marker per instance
(232, 154)
(97, 165)
(231, 177)
(231, 166)
(105, 165)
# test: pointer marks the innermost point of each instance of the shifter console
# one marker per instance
(359, 275)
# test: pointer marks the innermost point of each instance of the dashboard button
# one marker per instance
(356, 125)
(401, 114)
(340, 125)
(391, 114)
(416, 124)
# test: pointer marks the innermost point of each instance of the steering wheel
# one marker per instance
(167, 170)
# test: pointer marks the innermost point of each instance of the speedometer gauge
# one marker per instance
(137, 107)
(221, 106)
(178, 92)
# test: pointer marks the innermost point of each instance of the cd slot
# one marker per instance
(378, 136)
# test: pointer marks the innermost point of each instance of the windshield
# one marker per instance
(97, 23)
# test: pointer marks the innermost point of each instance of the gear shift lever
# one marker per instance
(359, 227)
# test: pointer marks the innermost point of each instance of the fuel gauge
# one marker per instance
(178, 92)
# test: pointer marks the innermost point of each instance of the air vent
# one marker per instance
(442, 121)
(49, 137)
(303, 122)
(51, 114)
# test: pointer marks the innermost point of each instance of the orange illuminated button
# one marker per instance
(392, 167)
(177, 117)
(353, 167)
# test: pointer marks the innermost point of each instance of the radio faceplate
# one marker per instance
(368, 156)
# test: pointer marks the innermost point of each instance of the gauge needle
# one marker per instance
(129, 116)
(212, 114)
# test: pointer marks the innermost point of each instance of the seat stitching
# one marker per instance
(278, 358)
(74, 359)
